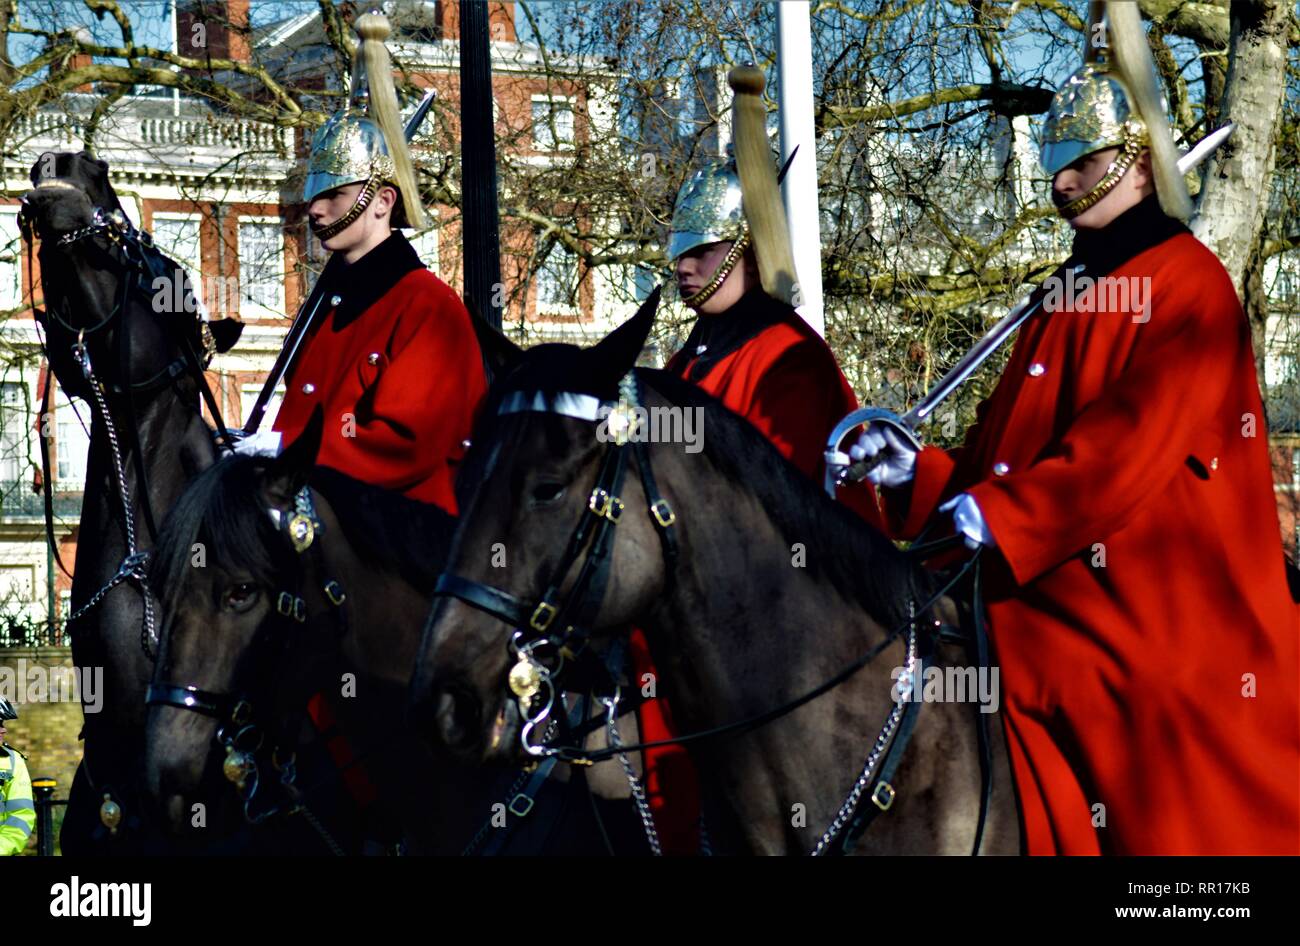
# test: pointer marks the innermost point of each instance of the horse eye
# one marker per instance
(547, 492)
(241, 597)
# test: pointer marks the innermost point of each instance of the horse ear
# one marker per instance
(500, 354)
(288, 472)
(616, 354)
(225, 332)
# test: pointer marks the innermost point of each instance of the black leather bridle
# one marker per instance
(566, 621)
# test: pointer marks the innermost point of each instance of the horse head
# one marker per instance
(103, 282)
(234, 607)
(525, 484)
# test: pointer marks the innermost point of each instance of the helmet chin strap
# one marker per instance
(723, 271)
(326, 231)
(1134, 142)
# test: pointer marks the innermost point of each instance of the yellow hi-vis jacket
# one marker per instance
(18, 812)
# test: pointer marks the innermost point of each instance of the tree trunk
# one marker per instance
(1232, 202)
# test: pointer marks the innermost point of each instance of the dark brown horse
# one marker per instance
(765, 590)
(97, 281)
(265, 610)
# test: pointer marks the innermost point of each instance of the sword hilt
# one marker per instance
(865, 417)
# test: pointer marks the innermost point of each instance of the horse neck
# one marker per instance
(174, 443)
(744, 630)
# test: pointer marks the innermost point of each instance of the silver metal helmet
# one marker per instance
(347, 149)
(1090, 112)
(364, 142)
(708, 210)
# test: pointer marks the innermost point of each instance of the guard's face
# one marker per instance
(1076, 179)
(696, 266)
(328, 206)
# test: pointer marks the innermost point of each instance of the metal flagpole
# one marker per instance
(478, 157)
(794, 71)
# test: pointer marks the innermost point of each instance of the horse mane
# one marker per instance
(222, 511)
(401, 534)
(859, 561)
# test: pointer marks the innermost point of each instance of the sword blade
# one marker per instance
(978, 354)
(417, 117)
(1205, 147)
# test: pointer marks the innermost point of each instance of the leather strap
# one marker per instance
(203, 702)
(881, 797)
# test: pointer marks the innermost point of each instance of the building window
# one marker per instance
(557, 281)
(177, 235)
(11, 267)
(552, 124)
(72, 446)
(261, 266)
(13, 439)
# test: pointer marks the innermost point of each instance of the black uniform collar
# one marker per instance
(361, 284)
(720, 335)
(1134, 231)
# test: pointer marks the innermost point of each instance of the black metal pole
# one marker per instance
(478, 157)
(44, 790)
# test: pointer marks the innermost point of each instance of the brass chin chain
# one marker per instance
(1132, 147)
(724, 270)
(367, 194)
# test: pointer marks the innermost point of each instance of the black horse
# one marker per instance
(752, 586)
(282, 580)
(138, 366)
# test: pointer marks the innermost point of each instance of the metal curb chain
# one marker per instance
(850, 805)
(638, 790)
(133, 565)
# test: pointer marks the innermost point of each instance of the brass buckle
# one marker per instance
(657, 509)
(334, 591)
(542, 617)
(876, 796)
(605, 505)
(523, 809)
(291, 606)
(242, 713)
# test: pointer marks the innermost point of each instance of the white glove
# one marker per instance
(968, 519)
(899, 465)
(264, 443)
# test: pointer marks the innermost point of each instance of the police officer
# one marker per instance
(18, 812)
